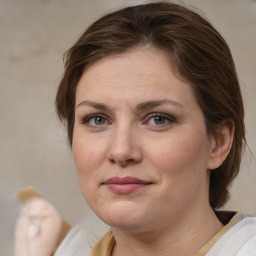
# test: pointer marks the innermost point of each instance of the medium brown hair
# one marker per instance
(198, 54)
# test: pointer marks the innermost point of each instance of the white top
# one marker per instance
(239, 240)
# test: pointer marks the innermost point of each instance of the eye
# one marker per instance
(160, 119)
(95, 120)
(98, 120)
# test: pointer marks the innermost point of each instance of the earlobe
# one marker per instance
(221, 144)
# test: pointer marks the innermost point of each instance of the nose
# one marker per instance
(125, 148)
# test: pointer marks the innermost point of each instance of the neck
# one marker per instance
(184, 237)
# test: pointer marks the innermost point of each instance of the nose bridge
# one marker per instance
(124, 145)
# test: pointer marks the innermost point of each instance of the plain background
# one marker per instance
(34, 151)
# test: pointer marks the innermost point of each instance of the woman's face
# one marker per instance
(140, 144)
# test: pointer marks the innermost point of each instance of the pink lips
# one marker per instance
(125, 185)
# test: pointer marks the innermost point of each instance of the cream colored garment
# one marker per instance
(237, 238)
(75, 244)
(82, 238)
(240, 240)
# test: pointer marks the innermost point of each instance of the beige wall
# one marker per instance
(34, 34)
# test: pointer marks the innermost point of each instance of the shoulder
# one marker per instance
(75, 243)
(82, 238)
(239, 240)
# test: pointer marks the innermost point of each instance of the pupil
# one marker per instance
(99, 120)
(159, 120)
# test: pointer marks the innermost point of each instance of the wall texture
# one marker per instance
(34, 35)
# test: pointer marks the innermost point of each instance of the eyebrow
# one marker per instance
(93, 104)
(155, 103)
(140, 107)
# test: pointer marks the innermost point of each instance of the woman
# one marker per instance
(154, 116)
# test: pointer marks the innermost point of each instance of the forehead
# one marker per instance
(143, 60)
(139, 73)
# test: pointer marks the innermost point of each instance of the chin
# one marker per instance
(123, 215)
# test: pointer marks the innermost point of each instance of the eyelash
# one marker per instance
(166, 117)
(87, 119)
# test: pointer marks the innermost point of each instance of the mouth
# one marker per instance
(125, 185)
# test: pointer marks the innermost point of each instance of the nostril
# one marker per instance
(122, 162)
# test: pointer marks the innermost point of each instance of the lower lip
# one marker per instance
(126, 188)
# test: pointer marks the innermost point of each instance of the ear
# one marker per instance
(221, 144)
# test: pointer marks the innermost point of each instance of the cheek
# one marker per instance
(182, 171)
(88, 153)
(181, 161)
(85, 161)
(174, 152)
(88, 157)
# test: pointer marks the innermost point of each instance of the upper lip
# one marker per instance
(126, 180)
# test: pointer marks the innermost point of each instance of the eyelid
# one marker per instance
(87, 118)
(168, 117)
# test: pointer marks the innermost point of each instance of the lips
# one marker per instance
(125, 185)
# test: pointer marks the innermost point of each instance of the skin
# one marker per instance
(149, 126)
